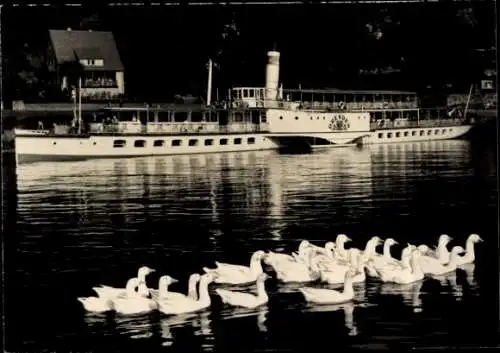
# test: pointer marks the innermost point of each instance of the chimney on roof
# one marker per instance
(69, 29)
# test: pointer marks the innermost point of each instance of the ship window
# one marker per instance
(389, 135)
(398, 134)
(193, 142)
(251, 140)
(251, 93)
(443, 131)
(176, 143)
(406, 133)
(317, 118)
(436, 132)
(281, 118)
(421, 132)
(94, 143)
(450, 130)
(159, 143)
(413, 133)
(311, 118)
(237, 141)
(119, 143)
(209, 142)
(324, 118)
(223, 141)
(429, 132)
(139, 143)
(380, 135)
(296, 118)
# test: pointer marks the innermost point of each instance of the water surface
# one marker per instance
(73, 225)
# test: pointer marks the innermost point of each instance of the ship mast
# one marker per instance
(209, 88)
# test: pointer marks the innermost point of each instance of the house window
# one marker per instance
(159, 143)
(176, 143)
(209, 142)
(237, 141)
(193, 142)
(223, 141)
(251, 140)
(119, 143)
(139, 143)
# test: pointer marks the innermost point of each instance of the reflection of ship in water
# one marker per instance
(443, 156)
(409, 292)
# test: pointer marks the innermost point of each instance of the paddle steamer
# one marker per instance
(250, 118)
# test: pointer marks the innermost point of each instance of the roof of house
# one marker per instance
(72, 45)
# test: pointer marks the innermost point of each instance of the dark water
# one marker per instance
(71, 226)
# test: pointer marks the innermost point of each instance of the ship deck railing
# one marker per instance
(178, 128)
(387, 124)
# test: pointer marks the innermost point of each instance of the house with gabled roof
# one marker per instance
(96, 51)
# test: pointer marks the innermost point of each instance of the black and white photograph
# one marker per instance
(286, 176)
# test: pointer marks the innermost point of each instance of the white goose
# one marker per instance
(403, 275)
(386, 258)
(112, 292)
(394, 264)
(370, 253)
(340, 253)
(441, 252)
(330, 296)
(188, 305)
(433, 266)
(246, 300)
(164, 293)
(102, 304)
(135, 302)
(470, 255)
(298, 264)
(272, 257)
(237, 274)
(337, 276)
(299, 272)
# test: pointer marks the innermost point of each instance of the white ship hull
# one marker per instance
(39, 147)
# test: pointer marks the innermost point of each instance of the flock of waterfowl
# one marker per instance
(331, 264)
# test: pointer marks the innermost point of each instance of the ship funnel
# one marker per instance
(272, 75)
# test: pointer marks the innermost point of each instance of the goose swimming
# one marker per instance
(340, 253)
(299, 272)
(403, 275)
(246, 300)
(441, 252)
(237, 274)
(164, 293)
(470, 255)
(135, 302)
(188, 305)
(433, 266)
(330, 296)
(337, 276)
(102, 304)
(111, 292)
